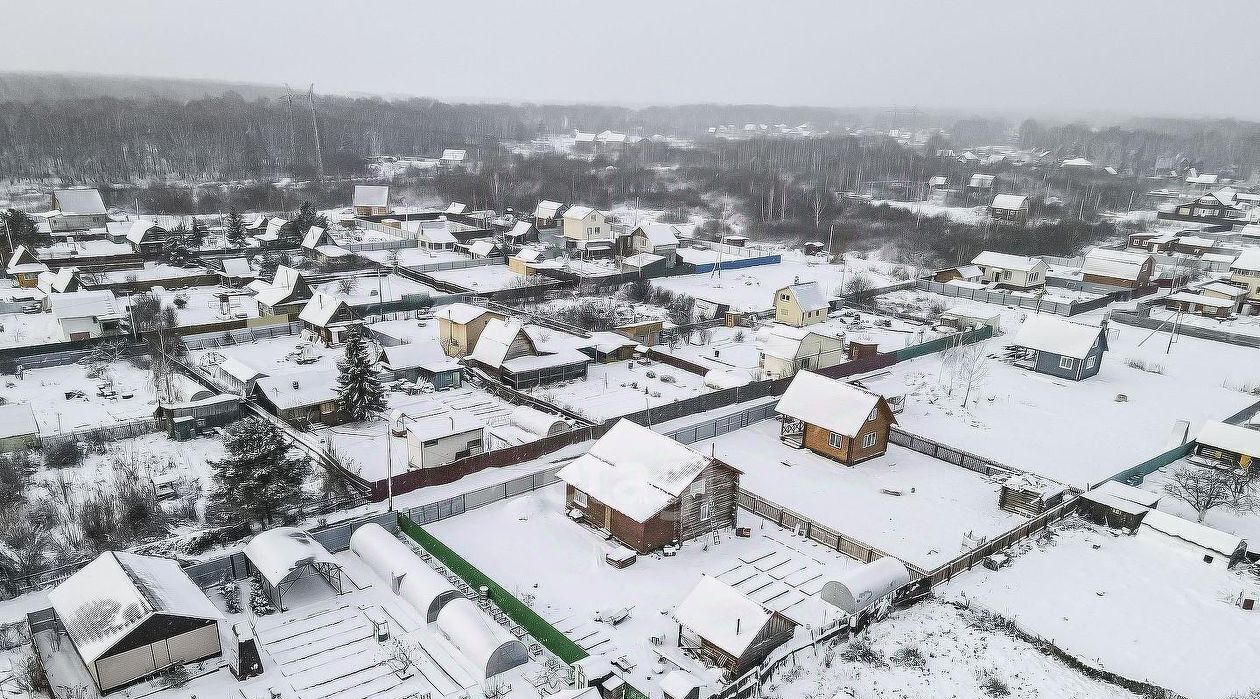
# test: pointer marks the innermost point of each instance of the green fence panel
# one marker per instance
(1153, 464)
(940, 344)
(543, 632)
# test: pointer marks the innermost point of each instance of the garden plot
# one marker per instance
(1248, 326)
(558, 567)
(277, 355)
(151, 272)
(752, 288)
(368, 289)
(494, 277)
(122, 392)
(204, 304)
(971, 215)
(29, 329)
(151, 458)
(1242, 524)
(619, 388)
(929, 306)
(919, 509)
(1120, 602)
(1077, 432)
(411, 257)
(933, 649)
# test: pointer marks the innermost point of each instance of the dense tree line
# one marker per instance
(1226, 145)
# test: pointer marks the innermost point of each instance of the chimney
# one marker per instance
(295, 385)
(737, 620)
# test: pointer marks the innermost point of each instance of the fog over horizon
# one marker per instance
(1064, 59)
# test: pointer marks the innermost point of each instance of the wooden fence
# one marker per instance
(1000, 543)
(105, 433)
(955, 456)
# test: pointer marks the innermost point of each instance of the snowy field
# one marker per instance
(1242, 524)
(1239, 325)
(202, 304)
(1140, 608)
(29, 329)
(752, 288)
(1077, 432)
(45, 390)
(151, 272)
(366, 290)
(973, 215)
(942, 510)
(558, 566)
(487, 278)
(616, 389)
(412, 257)
(959, 657)
(271, 356)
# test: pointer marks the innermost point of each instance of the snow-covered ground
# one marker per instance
(271, 356)
(45, 390)
(366, 290)
(925, 304)
(973, 215)
(202, 304)
(920, 509)
(1239, 325)
(1141, 608)
(29, 329)
(1243, 524)
(156, 272)
(959, 656)
(1077, 432)
(752, 288)
(412, 257)
(619, 388)
(558, 567)
(487, 278)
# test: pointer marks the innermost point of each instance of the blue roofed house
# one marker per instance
(1051, 345)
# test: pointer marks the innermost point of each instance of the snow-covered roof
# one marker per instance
(412, 355)
(1077, 162)
(529, 255)
(563, 356)
(1200, 299)
(1248, 260)
(1118, 503)
(720, 379)
(1054, 335)
(115, 593)
(1137, 496)
(856, 589)
(489, 647)
(642, 260)
(782, 341)
(315, 236)
(547, 209)
(371, 195)
(537, 422)
(237, 267)
(79, 201)
(17, 420)
(827, 403)
(82, 304)
(319, 311)
(1224, 288)
(461, 313)
(521, 228)
(1010, 202)
(299, 389)
(1239, 440)
(428, 420)
(454, 155)
(1003, 260)
(1192, 532)
(1203, 179)
(456, 208)
(1120, 264)
(23, 261)
(577, 213)
(139, 229)
(495, 341)
(981, 180)
(659, 234)
(482, 248)
(634, 470)
(937, 181)
(239, 370)
(419, 585)
(440, 235)
(277, 553)
(722, 615)
(809, 295)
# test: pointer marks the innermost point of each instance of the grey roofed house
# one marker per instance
(1059, 347)
(1119, 264)
(78, 201)
(547, 209)
(810, 296)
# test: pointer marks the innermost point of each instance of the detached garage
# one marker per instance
(129, 616)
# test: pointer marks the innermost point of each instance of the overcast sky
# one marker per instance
(1060, 56)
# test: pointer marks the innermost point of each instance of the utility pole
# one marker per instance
(288, 98)
(319, 153)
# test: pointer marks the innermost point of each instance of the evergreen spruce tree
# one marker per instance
(258, 477)
(235, 225)
(359, 391)
(259, 603)
(176, 246)
(197, 233)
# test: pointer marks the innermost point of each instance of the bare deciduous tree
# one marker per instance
(1205, 489)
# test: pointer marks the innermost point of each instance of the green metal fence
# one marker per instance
(940, 344)
(543, 632)
(1153, 464)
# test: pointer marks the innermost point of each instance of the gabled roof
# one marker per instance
(315, 237)
(239, 370)
(23, 261)
(482, 248)
(17, 420)
(139, 229)
(1120, 264)
(60, 282)
(722, 615)
(827, 403)
(461, 313)
(1249, 260)
(659, 234)
(238, 267)
(808, 295)
(454, 154)
(1138, 496)
(111, 596)
(456, 208)
(981, 180)
(1239, 440)
(1054, 335)
(495, 341)
(1002, 260)
(299, 389)
(79, 201)
(784, 341)
(547, 209)
(529, 255)
(1010, 202)
(371, 195)
(577, 213)
(634, 470)
(82, 304)
(321, 309)
(522, 229)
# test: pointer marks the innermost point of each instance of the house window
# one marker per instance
(1066, 362)
(697, 488)
(706, 510)
(474, 444)
(836, 440)
(868, 441)
(1006, 275)
(1089, 362)
(579, 498)
(872, 415)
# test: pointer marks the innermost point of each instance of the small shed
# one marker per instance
(727, 628)
(834, 419)
(18, 431)
(129, 616)
(537, 422)
(1009, 207)
(328, 318)
(1215, 547)
(1051, 345)
(1110, 510)
(1202, 304)
(1030, 495)
(371, 200)
(967, 317)
(858, 589)
(422, 587)
(285, 555)
(489, 647)
(1233, 445)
